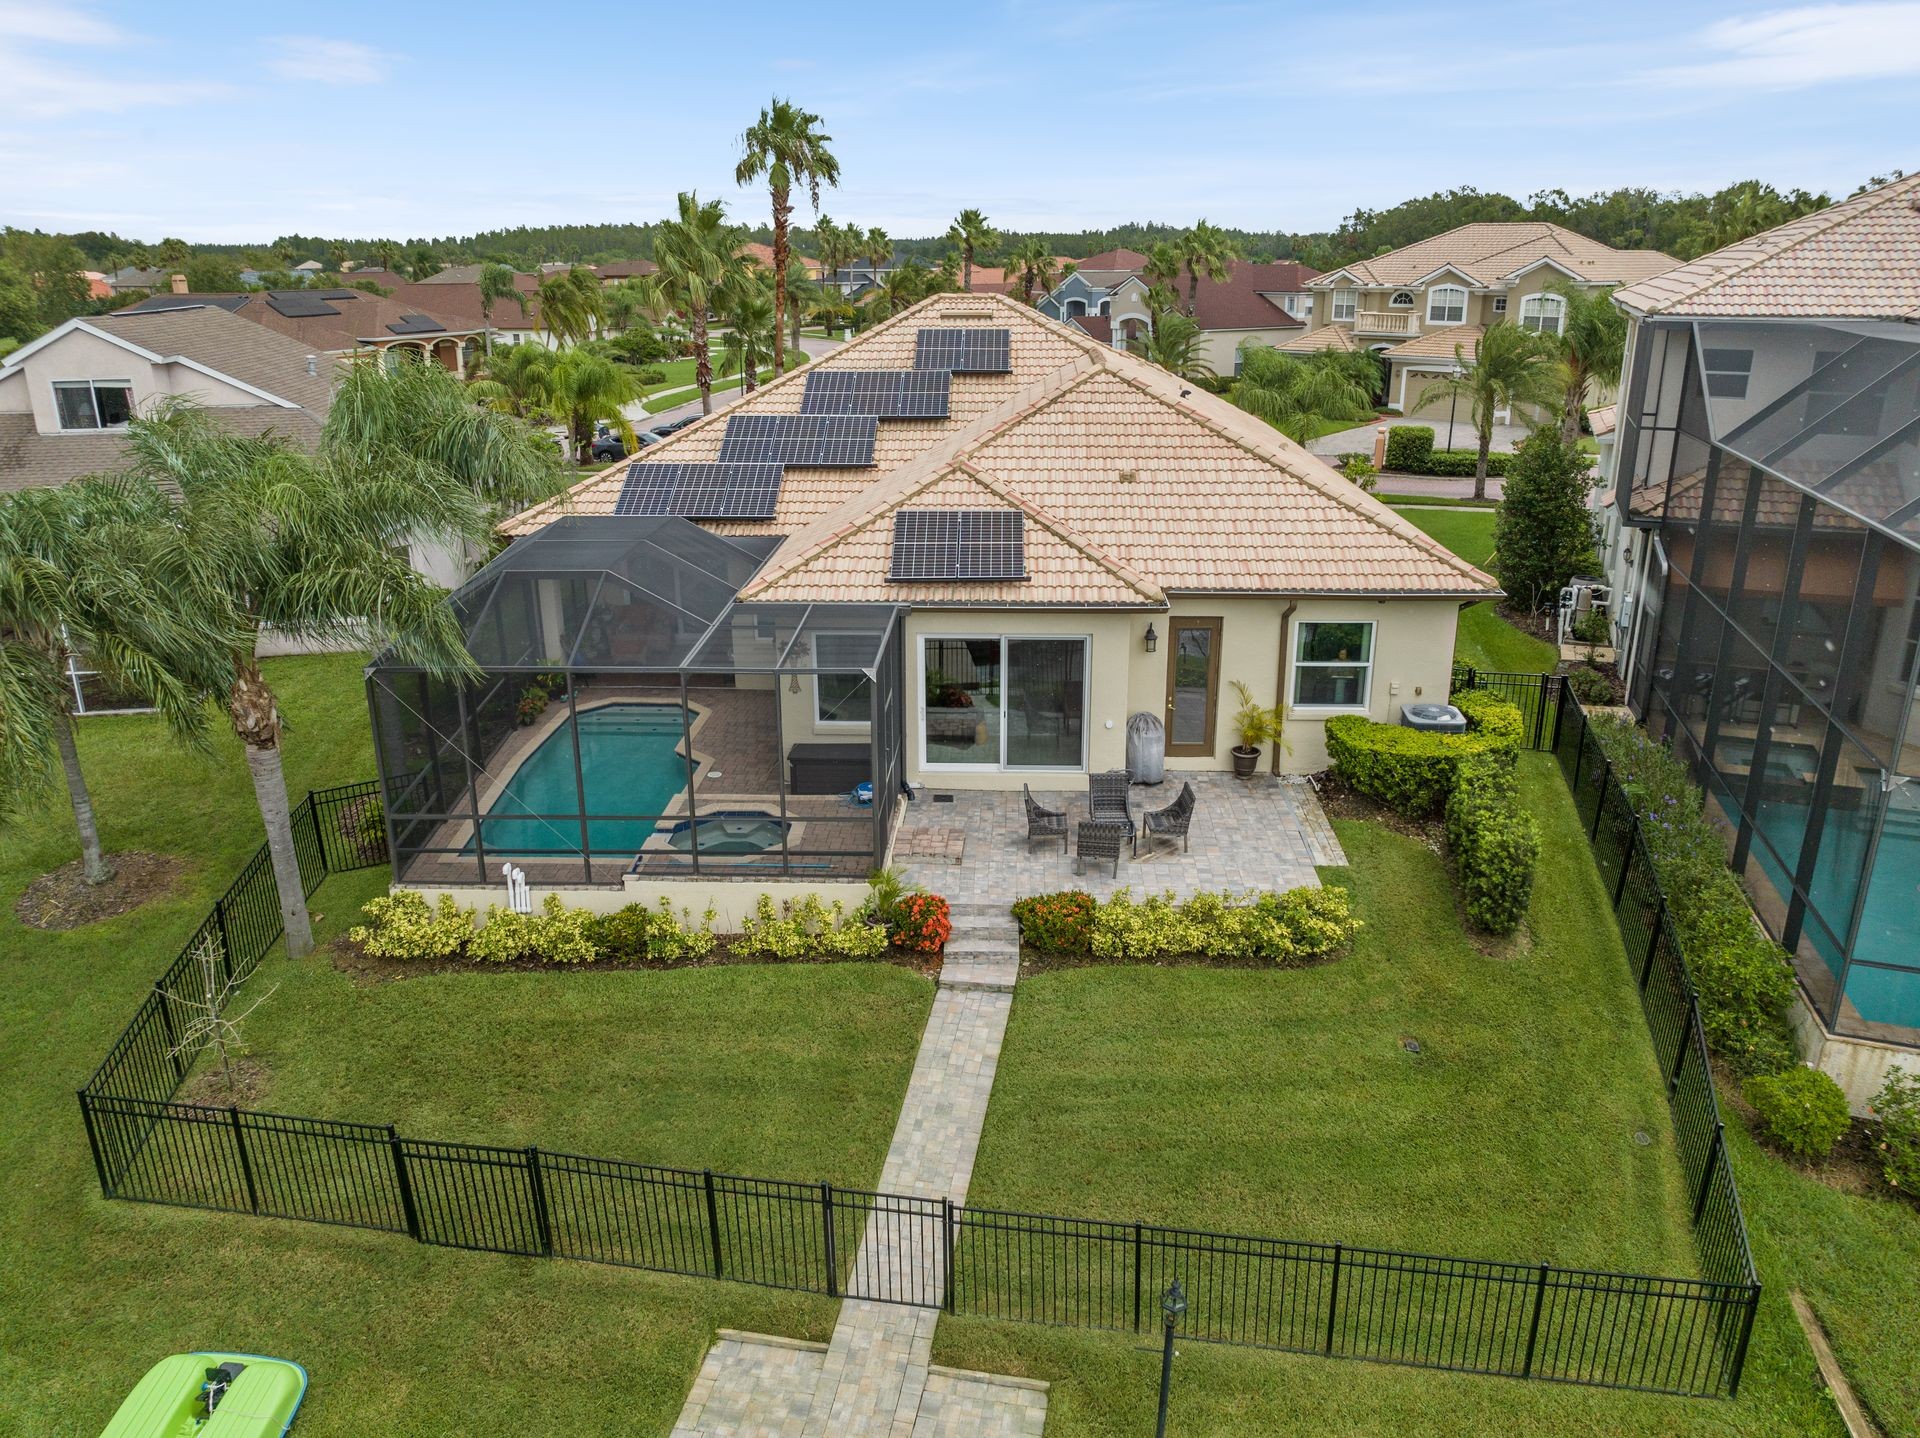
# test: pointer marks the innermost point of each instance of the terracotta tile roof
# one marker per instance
(1327, 337)
(1133, 483)
(1489, 250)
(1440, 343)
(762, 255)
(1100, 327)
(457, 305)
(1859, 259)
(1603, 419)
(1111, 260)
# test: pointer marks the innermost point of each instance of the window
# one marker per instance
(1727, 372)
(1543, 314)
(93, 404)
(1333, 665)
(1402, 300)
(1345, 302)
(1499, 304)
(1106, 307)
(1011, 703)
(1446, 305)
(1299, 306)
(1076, 307)
(842, 698)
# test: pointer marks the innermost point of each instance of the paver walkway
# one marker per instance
(875, 1379)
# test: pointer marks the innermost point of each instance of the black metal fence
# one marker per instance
(1675, 1335)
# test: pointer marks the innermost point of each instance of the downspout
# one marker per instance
(1280, 681)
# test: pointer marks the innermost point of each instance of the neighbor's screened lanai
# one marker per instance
(633, 718)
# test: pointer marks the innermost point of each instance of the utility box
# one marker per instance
(1439, 718)
(1146, 748)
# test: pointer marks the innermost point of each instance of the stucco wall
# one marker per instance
(79, 355)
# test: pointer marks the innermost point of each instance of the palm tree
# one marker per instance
(572, 305)
(1162, 267)
(1032, 262)
(386, 254)
(1593, 345)
(583, 387)
(98, 568)
(698, 257)
(970, 232)
(751, 338)
(424, 264)
(514, 380)
(1204, 250)
(627, 302)
(904, 286)
(785, 144)
(308, 545)
(833, 243)
(496, 284)
(877, 250)
(1511, 366)
(1290, 394)
(337, 257)
(802, 295)
(1174, 344)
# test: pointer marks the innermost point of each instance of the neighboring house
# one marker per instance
(1765, 566)
(456, 303)
(344, 321)
(65, 398)
(978, 597)
(1423, 307)
(614, 271)
(130, 277)
(97, 286)
(1258, 303)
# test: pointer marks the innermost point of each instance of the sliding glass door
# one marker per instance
(1009, 702)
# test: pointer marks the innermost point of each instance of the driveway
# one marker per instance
(1359, 440)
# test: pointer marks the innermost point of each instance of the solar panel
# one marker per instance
(298, 306)
(411, 324)
(817, 441)
(941, 544)
(700, 491)
(883, 393)
(964, 351)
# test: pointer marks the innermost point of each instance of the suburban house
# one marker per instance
(134, 277)
(1258, 303)
(614, 271)
(515, 318)
(1422, 307)
(1765, 573)
(341, 321)
(962, 551)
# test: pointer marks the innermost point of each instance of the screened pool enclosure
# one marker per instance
(633, 718)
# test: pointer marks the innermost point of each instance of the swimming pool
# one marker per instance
(629, 764)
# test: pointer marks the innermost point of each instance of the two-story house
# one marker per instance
(1764, 562)
(1422, 308)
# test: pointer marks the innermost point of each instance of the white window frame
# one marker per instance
(1499, 304)
(1535, 310)
(1000, 766)
(94, 386)
(1296, 664)
(1433, 296)
(1346, 303)
(820, 720)
(1402, 300)
(1726, 372)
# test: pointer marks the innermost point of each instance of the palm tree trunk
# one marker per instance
(256, 719)
(703, 361)
(1193, 292)
(966, 268)
(97, 869)
(781, 209)
(1480, 465)
(1570, 408)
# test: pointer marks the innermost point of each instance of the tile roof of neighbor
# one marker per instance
(1133, 485)
(1114, 260)
(1490, 249)
(457, 306)
(356, 315)
(1440, 343)
(1859, 259)
(1099, 326)
(1602, 420)
(1327, 337)
(628, 269)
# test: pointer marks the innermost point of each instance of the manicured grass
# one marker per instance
(1435, 501)
(399, 1338)
(1282, 1103)
(1483, 639)
(682, 390)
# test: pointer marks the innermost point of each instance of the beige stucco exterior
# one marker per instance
(27, 388)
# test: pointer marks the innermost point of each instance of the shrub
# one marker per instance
(1800, 1109)
(1494, 842)
(1590, 686)
(1409, 446)
(650, 374)
(1896, 1108)
(555, 935)
(1359, 469)
(1059, 923)
(1411, 771)
(809, 928)
(1462, 463)
(1592, 627)
(403, 926)
(364, 822)
(638, 933)
(1288, 928)
(925, 925)
(503, 936)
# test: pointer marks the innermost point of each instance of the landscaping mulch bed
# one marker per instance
(365, 970)
(208, 1084)
(63, 899)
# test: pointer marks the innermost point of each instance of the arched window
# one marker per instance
(1076, 307)
(1402, 300)
(1106, 307)
(1544, 314)
(1446, 305)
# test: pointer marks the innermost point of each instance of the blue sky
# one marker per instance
(218, 121)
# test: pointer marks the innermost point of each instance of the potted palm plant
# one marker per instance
(1256, 724)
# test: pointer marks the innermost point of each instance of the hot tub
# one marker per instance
(731, 831)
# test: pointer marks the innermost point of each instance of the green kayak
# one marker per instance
(212, 1395)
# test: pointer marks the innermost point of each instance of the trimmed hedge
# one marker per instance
(1495, 843)
(1461, 463)
(1801, 1109)
(1283, 929)
(1412, 771)
(1409, 446)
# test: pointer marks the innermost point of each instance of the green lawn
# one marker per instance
(790, 1071)
(680, 388)
(1483, 638)
(1282, 1103)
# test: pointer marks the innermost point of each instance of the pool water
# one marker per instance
(1785, 760)
(731, 831)
(629, 764)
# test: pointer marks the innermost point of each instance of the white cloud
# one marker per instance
(55, 24)
(328, 62)
(34, 86)
(1805, 46)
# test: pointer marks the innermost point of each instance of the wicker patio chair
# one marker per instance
(1172, 821)
(1101, 839)
(1044, 823)
(1107, 799)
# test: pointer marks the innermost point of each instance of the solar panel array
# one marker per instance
(964, 351)
(296, 306)
(412, 324)
(884, 393)
(939, 544)
(816, 441)
(700, 491)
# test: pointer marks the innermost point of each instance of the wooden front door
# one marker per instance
(1193, 686)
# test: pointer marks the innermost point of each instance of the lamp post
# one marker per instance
(1172, 1304)
(1453, 401)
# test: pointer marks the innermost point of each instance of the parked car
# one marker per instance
(663, 430)
(608, 446)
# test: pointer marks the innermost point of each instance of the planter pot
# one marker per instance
(1244, 760)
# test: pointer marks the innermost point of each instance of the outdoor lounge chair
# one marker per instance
(1101, 839)
(1172, 821)
(1107, 799)
(1042, 822)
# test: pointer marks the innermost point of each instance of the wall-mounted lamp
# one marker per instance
(1153, 640)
